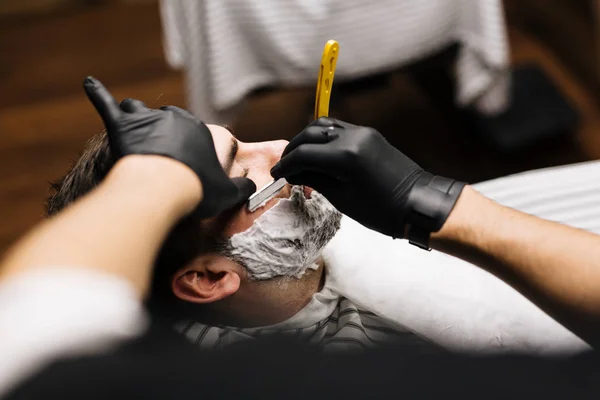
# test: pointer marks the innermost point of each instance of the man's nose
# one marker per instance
(279, 147)
(266, 154)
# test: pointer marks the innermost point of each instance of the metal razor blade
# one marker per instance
(262, 196)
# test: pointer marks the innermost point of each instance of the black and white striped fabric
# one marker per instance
(346, 328)
(568, 194)
(228, 48)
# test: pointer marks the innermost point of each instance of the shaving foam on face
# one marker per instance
(288, 238)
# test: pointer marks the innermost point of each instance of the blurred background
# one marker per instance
(407, 90)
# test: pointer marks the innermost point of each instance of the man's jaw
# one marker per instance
(287, 237)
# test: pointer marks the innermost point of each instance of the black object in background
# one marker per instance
(537, 111)
(161, 365)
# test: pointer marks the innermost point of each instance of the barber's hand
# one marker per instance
(361, 174)
(132, 128)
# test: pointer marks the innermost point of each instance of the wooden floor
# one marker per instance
(45, 118)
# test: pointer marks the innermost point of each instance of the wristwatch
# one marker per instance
(430, 202)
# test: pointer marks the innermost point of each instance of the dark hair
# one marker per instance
(185, 242)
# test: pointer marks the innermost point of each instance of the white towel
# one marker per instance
(230, 47)
(452, 302)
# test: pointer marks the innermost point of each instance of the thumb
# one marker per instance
(132, 106)
(246, 187)
(104, 103)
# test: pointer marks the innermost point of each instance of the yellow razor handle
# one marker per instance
(326, 73)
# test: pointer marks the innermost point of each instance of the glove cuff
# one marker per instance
(429, 203)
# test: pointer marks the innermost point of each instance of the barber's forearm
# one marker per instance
(556, 266)
(119, 227)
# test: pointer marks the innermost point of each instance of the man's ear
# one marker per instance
(206, 280)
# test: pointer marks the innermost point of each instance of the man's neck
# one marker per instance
(265, 303)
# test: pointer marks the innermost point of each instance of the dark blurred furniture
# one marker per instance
(569, 28)
(538, 111)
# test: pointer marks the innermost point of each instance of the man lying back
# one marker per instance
(244, 275)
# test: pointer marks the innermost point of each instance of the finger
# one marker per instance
(229, 197)
(311, 157)
(246, 187)
(103, 101)
(312, 134)
(181, 112)
(326, 122)
(132, 105)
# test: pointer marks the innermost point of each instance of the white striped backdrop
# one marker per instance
(227, 48)
(567, 194)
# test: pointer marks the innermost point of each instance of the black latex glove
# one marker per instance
(133, 128)
(364, 177)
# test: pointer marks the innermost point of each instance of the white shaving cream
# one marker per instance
(287, 239)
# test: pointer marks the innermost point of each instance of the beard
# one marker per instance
(287, 239)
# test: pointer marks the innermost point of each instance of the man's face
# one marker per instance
(284, 238)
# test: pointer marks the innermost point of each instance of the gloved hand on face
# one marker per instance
(133, 128)
(366, 178)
